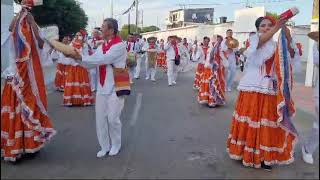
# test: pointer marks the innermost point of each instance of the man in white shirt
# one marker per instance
(108, 105)
(140, 55)
(228, 55)
(132, 49)
(172, 52)
(312, 142)
(151, 48)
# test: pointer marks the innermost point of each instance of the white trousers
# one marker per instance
(312, 142)
(93, 78)
(132, 73)
(172, 71)
(108, 124)
(138, 67)
(150, 71)
(230, 74)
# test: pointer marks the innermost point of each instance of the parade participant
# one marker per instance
(200, 54)
(94, 43)
(25, 124)
(132, 56)
(161, 57)
(140, 54)
(151, 50)
(229, 58)
(262, 133)
(109, 103)
(310, 145)
(173, 58)
(185, 56)
(77, 91)
(212, 88)
(204, 95)
(60, 77)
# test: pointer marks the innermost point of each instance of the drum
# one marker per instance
(131, 59)
(152, 58)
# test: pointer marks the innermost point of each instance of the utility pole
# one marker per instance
(137, 15)
(111, 8)
(129, 22)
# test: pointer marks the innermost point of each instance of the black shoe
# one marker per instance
(265, 167)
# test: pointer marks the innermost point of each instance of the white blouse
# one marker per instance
(255, 78)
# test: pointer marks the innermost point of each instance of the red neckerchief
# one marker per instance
(176, 51)
(129, 46)
(152, 46)
(186, 45)
(162, 46)
(205, 49)
(105, 49)
(77, 44)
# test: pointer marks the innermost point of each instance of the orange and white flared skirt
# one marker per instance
(204, 93)
(59, 80)
(161, 61)
(25, 128)
(198, 76)
(77, 91)
(255, 134)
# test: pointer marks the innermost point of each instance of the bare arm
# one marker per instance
(268, 35)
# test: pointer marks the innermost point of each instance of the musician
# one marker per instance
(229, 58)
(173, 53)
(140, 54)
(200, 55)
(25, 124)
(257, 135)
(133, 53)
(311, 143)
(151, 49)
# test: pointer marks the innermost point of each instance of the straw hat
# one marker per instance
(314, 35)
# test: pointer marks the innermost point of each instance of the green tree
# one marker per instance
(66, 14)
(125, 28)
(150, 29)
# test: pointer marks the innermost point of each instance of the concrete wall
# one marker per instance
(6, 17)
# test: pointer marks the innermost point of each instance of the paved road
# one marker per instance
(166, 134)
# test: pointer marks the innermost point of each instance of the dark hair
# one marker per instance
(258, 22)
(229, 30)
(218, 36)
(112, 23)
(252, 32)
(206, 37)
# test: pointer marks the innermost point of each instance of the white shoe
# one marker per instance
(306, 157)
(102, 153)
(153, 80)
(173, 82)
(93, 90)
(147, 78)
(170, 84)
(114, 151)
(131, 82)
(229, 89)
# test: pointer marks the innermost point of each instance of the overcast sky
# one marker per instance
(155, 11)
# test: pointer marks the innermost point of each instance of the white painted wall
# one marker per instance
(6, 17)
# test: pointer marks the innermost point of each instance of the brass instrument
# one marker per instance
(232, 43)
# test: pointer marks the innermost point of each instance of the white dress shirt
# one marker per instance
(116, 56)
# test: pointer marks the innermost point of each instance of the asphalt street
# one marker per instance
(166, 134)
